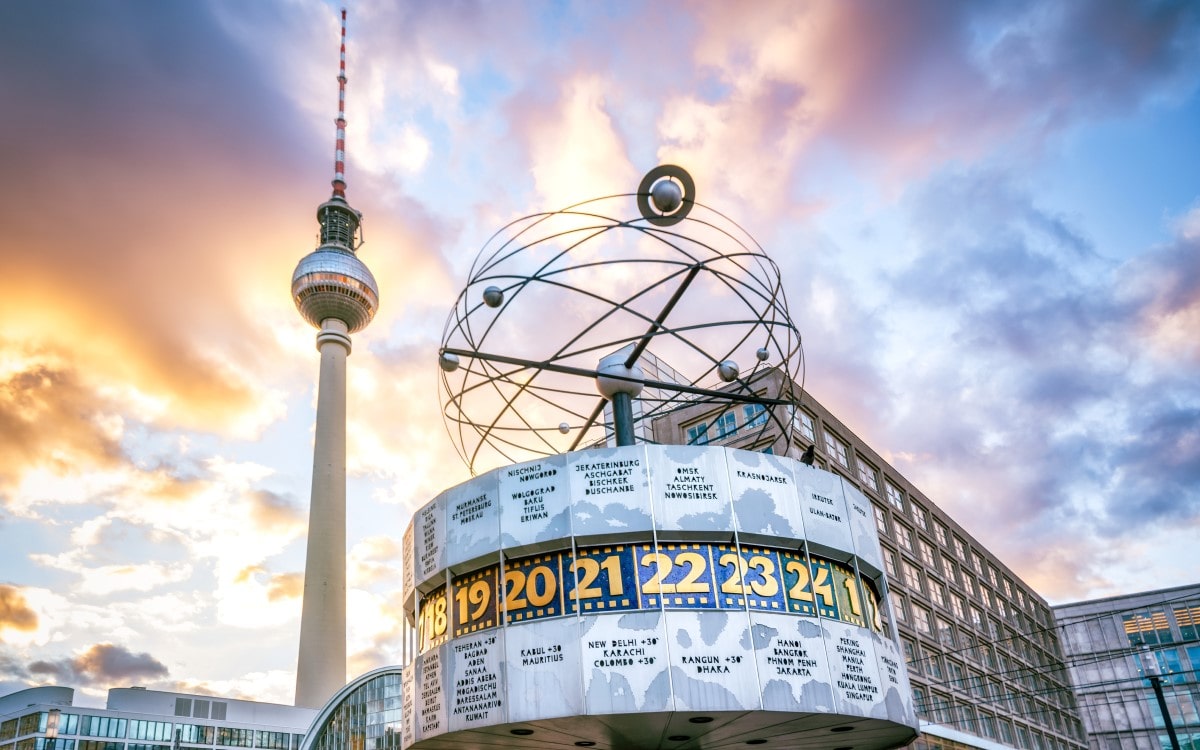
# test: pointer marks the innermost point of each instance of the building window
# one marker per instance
(804, 423)
(994, 577)
(1169, 665)
(1006, 732)
(968, 584)
(939, 533)
(101, 726)
(941, 708)
(197, 734)
(880, 520)
(726, 424)
(919, 699)
(271, 740)
(960, 548)
(978, 686)
(979, 567)
(897, 603)
(966, 715)
(934, 663)
(233, 737)
(893, 496)
(150, 730)
(926, 551)
(958, 606)
(889, 562)
(904, 537)
(950, 569)
(988, 723)
(988, 657)
(754, 415)
(921, 619)
(955, 671)
(1188, 620)
(945, 633)
(920, 517)
(866, 474)
(697, 434)
(976, 617)
(937, 593)
(837, 449)
(912, 578)
(910, 654)
(1008, 589)
(1149, 628)
(986, 597)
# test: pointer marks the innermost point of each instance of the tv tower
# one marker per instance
(337, 294)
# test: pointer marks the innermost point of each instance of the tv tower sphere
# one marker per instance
(331, 282)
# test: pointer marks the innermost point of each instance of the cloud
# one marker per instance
(375, 560)
(117, 305)
(286, 586)
(101, 663)
(49, 417)
(1096, 436)
(15, 613)
(271, 510)
(1164, 285)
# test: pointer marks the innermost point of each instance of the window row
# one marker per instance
(725, 424)
(85, 725)
(941, 709)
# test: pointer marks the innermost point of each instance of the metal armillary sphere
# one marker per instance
(673, 305)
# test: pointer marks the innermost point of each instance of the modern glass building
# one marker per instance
(45, 718)
(364, 715)
(984, 658)
(1114, 646)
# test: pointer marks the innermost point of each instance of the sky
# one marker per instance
(987, 218)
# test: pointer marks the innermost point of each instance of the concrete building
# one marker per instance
(1113, 647)
(984, 658)
(45, 718)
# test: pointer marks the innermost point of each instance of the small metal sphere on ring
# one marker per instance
(666, 173)
(493, 296)
(666, 196)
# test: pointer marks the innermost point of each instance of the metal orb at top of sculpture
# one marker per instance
(676, 296)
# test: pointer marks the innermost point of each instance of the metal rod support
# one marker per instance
(622, 404)
(583, 372)
(662, 316)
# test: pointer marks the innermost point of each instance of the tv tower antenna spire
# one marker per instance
(339, 154)
(337, 294)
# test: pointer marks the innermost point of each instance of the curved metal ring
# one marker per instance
(653, 176)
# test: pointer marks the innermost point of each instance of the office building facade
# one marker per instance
(984, 659)
(1115, 646)
(45, 718)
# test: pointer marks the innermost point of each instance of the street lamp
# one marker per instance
(1150, 663)
(52, 719)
